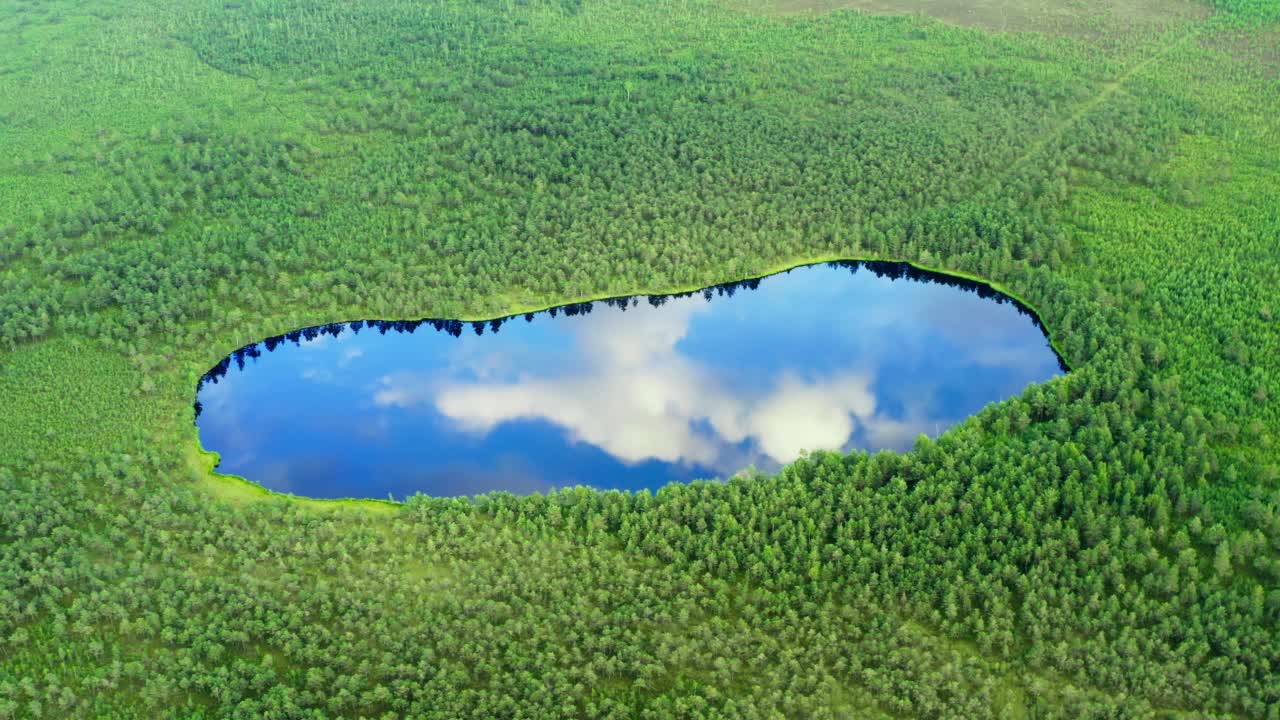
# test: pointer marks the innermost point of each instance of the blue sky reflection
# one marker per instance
(817, 358)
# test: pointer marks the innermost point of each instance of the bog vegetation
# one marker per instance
(180, 179)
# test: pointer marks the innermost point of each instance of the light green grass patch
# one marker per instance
(1072, 17)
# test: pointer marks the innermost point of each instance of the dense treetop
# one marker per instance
(180, 179)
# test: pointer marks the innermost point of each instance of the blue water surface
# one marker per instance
(631, 393)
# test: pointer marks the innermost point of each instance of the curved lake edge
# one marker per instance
(894, 269)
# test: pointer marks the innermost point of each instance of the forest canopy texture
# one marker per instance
(180, 178)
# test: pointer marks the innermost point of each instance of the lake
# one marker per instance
(629, 393)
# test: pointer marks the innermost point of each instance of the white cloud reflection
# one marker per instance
(633, 394)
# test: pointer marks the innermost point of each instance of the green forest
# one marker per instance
(179, 179)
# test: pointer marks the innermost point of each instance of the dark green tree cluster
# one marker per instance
(1254, 10)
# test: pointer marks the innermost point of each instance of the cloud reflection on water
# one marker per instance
(670, 391)
(638, 397)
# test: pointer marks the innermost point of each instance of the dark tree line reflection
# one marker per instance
(881, 269)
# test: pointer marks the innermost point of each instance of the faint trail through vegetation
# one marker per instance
(1109, 89)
